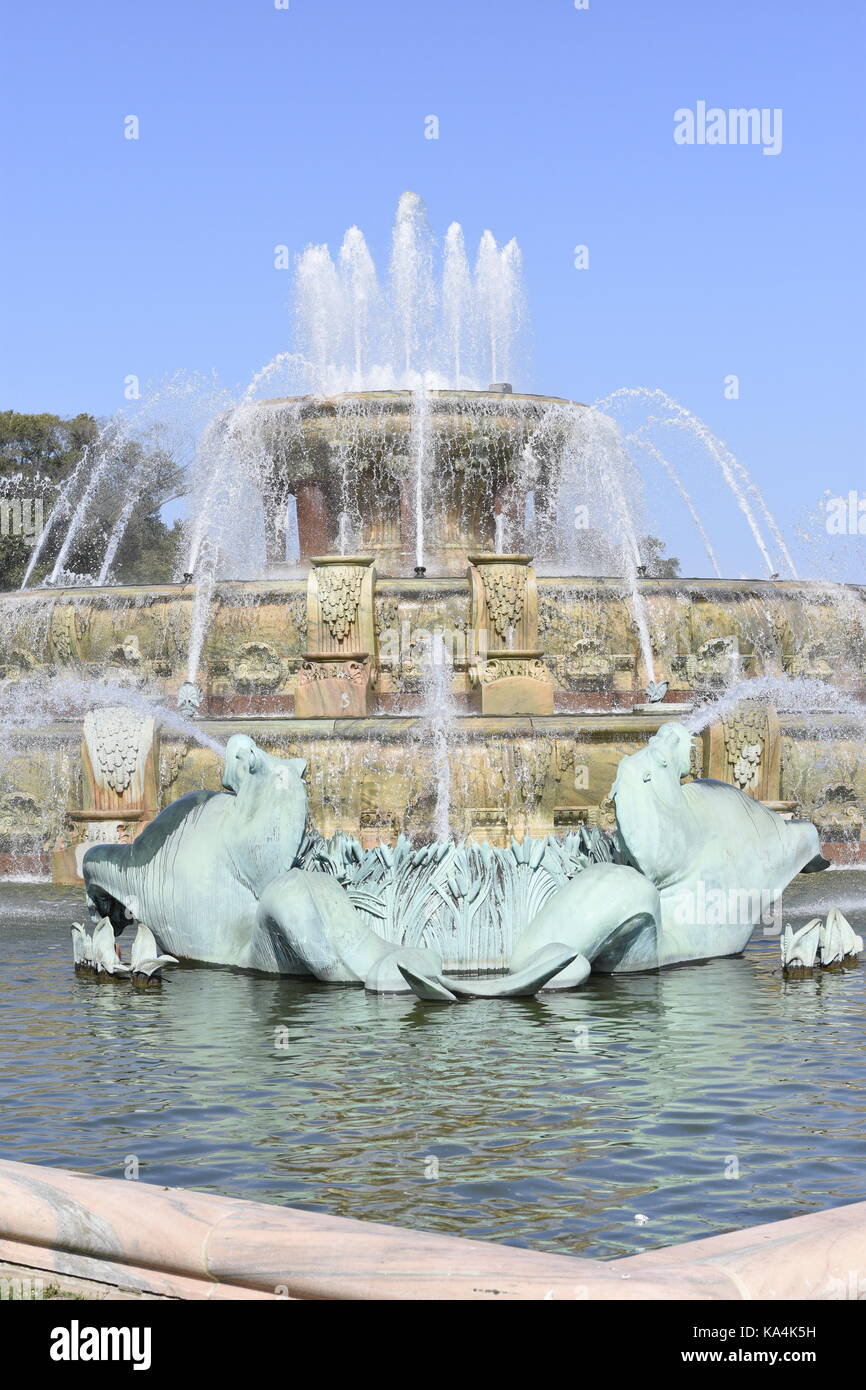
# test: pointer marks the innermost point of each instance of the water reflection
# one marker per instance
(706, 1098)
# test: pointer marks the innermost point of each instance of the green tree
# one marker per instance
(658, 564)
(39, 455)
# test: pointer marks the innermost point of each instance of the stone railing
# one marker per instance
(178, 1243)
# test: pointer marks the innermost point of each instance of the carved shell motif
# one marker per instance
(745, 736)
(114, 738)
(505, 592)
(339, 596)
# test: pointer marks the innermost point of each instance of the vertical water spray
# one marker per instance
(355, 334)
(321, 317)
(439, 712)
(497, 277)
(361, 292)
(457, 302)
(412, 288)
(200, 620)
(420, 442)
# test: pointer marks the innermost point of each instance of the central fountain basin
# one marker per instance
(368, 470)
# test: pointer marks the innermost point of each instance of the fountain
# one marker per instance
(436, 588)
(426, 711)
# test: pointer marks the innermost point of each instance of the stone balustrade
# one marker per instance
(194, 1245)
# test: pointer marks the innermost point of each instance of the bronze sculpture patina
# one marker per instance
(220, 876)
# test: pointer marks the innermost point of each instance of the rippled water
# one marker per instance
(553, 1122)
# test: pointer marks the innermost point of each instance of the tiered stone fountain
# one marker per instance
(330, 657)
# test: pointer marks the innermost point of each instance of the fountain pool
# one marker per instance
(450, 599)
(705, 1099)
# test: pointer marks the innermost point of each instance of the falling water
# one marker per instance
(792, 695)
(293, 538)
(529, 521)
(438, 711)
(659, 457)
(595, 463)
(345, 451)
(735, 475)
(420, 452)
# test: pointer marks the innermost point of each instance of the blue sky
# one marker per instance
(262, 126)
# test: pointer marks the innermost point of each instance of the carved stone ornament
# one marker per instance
(118, 740)
(500, 667)
(745, 738)
(711, 662)
(333, 687)
(355, 671)
(258, 667)
(339, 596)
(171, 762)
(505, 594)
(68, 627)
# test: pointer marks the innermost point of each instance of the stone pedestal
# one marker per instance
(515, 682)
(504, 603)
(339, 669)
(744, 749)
(506, 664)
(335, 686)
(118, 791)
